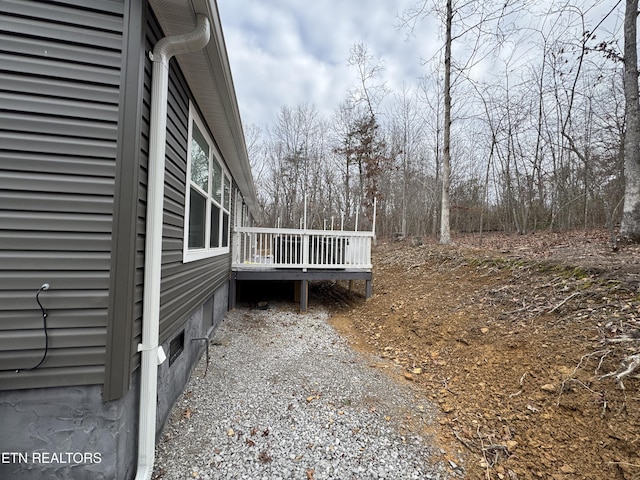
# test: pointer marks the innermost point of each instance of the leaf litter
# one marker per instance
(520, 340)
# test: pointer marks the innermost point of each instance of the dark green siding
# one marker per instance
(125, 286)
(60, 65)
(74, 136)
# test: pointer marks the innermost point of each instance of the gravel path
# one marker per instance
(286, 398)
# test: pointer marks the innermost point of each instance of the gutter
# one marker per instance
(153, 354)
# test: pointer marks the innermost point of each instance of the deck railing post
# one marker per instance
(305, 251)
(234, 251)
(367, 254)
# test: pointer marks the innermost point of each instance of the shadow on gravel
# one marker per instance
(329, 294)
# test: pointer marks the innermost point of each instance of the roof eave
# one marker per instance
(208, 74)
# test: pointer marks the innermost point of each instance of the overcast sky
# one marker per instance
(291, 52)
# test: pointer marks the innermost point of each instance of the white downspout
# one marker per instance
(152, 354)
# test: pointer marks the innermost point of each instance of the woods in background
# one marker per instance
(536, 136)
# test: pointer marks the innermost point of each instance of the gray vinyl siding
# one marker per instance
(185, 286)
(125, 289)
(60, 68)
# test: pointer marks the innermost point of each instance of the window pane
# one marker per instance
(215, 226)
(217, 181)
(197, 219)
(225, 229)
(227, 193)
(199, 159)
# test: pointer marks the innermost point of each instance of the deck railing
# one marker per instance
(256, 248)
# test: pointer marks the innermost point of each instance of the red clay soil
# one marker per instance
(513, 336)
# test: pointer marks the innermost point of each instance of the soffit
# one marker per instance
(209, 76)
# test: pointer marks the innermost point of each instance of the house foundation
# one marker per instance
(71, 433)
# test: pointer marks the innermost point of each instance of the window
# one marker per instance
(208, 197)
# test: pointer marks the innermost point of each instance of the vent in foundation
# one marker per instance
(176, 347)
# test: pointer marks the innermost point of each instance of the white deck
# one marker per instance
(276, 248)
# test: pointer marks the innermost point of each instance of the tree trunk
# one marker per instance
(630, 228)
(434, 216)
(404, 189)
(445, 228)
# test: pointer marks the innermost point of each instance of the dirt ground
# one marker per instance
(512, 337)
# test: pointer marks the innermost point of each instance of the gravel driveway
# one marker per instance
(285, 397)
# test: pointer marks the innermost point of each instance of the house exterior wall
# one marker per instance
(74, 132)
(58, 162)
(59, 99)
(172, 377)
(185, 286)
(71, 433)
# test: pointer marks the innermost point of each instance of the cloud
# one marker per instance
(290, 52)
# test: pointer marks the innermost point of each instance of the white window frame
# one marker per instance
(193, 254)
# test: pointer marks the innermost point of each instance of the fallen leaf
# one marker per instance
(446, 408)
(567, 469)
(264, 457)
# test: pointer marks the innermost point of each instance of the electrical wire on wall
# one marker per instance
(45, 314)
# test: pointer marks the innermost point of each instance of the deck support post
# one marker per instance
(304, 295)
(298, 278)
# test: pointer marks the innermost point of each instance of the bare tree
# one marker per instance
(476, 22)
(630, 227)
(445, 222)
(342, 122)
(407, 131)
(430, 89)
(371, 89)
(256, 151)
(510, 134)
(295, 148)
(367, 147)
